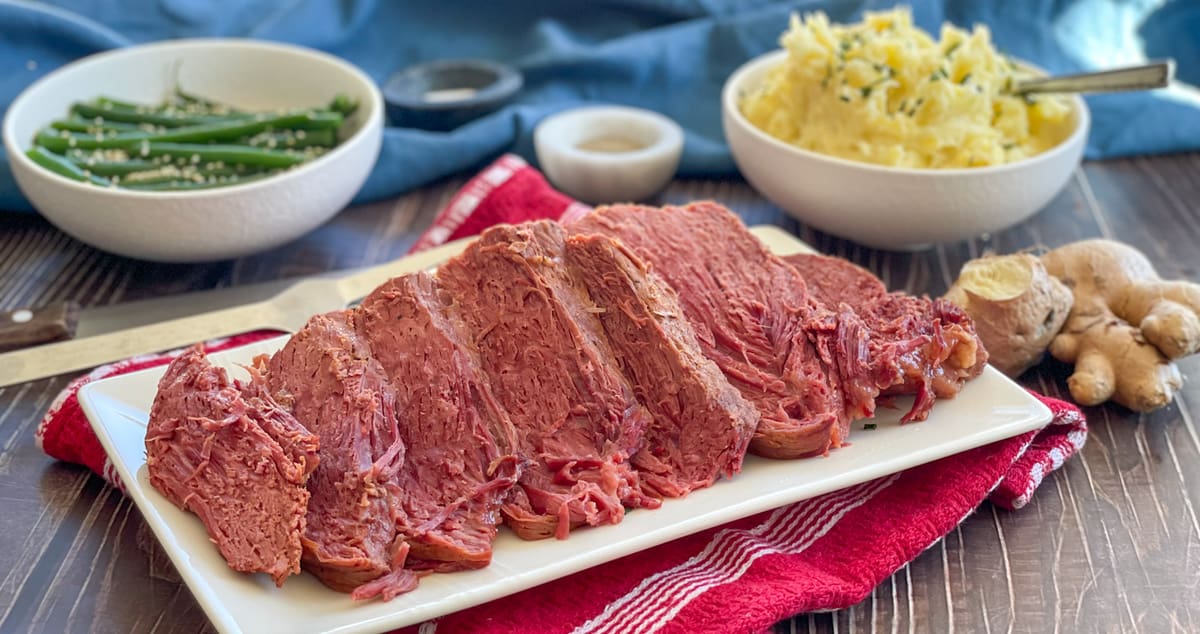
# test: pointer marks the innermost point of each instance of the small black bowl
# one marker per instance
(445, 94)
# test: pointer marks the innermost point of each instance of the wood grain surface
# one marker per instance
(1110, 543)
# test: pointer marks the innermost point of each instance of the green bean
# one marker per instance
(228, 131)
(189, 100)
(132, 168)
(195, 153)
(179, 106)
(153, 178)
(141, 114)
(229, 154)
(294, 140)
(62, 141)
(117, 103)
(190, 104)
(187, 185)
(175, 174)
(344, 104)
(62, 166)
(187, 169)
(123, 168)
(112, 168)
(90, 126)
(315, 118)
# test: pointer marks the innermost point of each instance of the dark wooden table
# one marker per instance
(1110, 543)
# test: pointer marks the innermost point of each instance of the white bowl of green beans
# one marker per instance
(195, 150)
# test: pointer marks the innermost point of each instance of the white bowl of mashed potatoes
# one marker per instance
(879, 133)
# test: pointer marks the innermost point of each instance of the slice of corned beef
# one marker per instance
(702, 425)
(552, 370)
(455, 474)
(929, 348)
(234, 458)
(326, 376)
(802, 366)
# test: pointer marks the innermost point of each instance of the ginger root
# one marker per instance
(1017, 307)
(1125, 327)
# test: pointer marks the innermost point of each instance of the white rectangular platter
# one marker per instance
(990, 408)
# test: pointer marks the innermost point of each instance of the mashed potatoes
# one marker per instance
(885, 92)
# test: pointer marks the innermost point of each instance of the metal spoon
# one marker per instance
(1155, 74)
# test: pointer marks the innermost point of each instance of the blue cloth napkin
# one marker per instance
(667, 55)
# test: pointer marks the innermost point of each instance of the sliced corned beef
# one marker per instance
(326, 376)
(552, 370)
(928, 347)
(801, 365)
(702, 424)
(236, 459)
(455, 475)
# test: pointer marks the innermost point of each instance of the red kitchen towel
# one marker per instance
(740, 577)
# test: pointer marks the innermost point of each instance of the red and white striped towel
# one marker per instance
(740, 577)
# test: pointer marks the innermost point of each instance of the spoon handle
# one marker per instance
(1146, 76)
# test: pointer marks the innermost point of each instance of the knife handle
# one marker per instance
(25, 327)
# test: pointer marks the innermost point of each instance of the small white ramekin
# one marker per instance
(608, 177)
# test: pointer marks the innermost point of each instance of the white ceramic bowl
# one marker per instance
(616, 174)
(892, 207)
(211, 224)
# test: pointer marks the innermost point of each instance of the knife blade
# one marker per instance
(67, 320)
(287, 309)
(99, 320)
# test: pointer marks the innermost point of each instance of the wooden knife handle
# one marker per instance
(25, 327)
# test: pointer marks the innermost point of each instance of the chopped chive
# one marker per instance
(920, 100)
(869, 426)
(866, 90)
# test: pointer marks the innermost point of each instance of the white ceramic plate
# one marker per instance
(989, 409)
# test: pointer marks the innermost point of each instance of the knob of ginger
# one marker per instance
(1125, 327)
(1017, 307)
